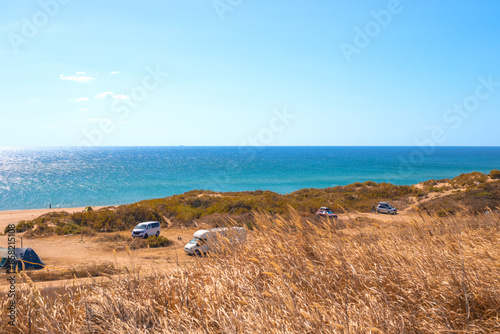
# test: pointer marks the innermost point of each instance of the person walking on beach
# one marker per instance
(50, 206)
(373, 209)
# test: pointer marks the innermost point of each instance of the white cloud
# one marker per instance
(78, 77)
(80, 73)
(83, 109)
(80, 99)
(114, 72)
(112, 96)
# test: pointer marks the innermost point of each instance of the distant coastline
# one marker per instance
(65, 177)
(472, 193)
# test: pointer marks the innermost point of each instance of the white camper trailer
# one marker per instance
(205, 241)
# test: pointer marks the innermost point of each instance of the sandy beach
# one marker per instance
(14, 216)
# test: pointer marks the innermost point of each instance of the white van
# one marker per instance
(205, 241)
(146, 229)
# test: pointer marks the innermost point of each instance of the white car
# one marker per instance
(205, 241)
(146, 229)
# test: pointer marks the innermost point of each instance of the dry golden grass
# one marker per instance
(429, 275)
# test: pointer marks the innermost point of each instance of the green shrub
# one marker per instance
(130, 215)
(70, 228)
(123, 218)
(495, 174)
(22, 226)
(158, 241)
(41, 230)
(468, 180)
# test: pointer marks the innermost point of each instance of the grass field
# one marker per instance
(420, 274)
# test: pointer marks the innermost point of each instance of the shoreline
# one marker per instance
(96, 207)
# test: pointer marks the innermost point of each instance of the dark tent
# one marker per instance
(25, 257)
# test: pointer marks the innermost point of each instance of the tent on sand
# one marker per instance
(24, 255)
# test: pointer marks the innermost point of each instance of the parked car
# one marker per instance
(326, 212)
(384, 207)
(146, 229)
(205, 241)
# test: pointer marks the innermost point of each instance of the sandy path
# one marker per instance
(67, 252)
(402, 216)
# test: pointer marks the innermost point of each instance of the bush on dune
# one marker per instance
(22, 226)
(123, 218)
(354, 197)
(70, 228)
(40, 230)
(158, 241)
(469, 180)
(475, 199)
(495, 174)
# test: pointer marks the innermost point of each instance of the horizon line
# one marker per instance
(258, 146)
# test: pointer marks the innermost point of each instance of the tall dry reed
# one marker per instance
(429, 275)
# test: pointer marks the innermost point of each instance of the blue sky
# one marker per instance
(230, 72)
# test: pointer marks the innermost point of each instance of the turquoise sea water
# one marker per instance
(71, 177)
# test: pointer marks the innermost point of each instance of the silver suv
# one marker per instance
(384, 207)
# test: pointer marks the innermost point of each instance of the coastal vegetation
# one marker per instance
(427, 274)
(495, 174)
(471, 193)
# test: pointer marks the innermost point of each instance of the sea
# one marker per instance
(34, 178)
